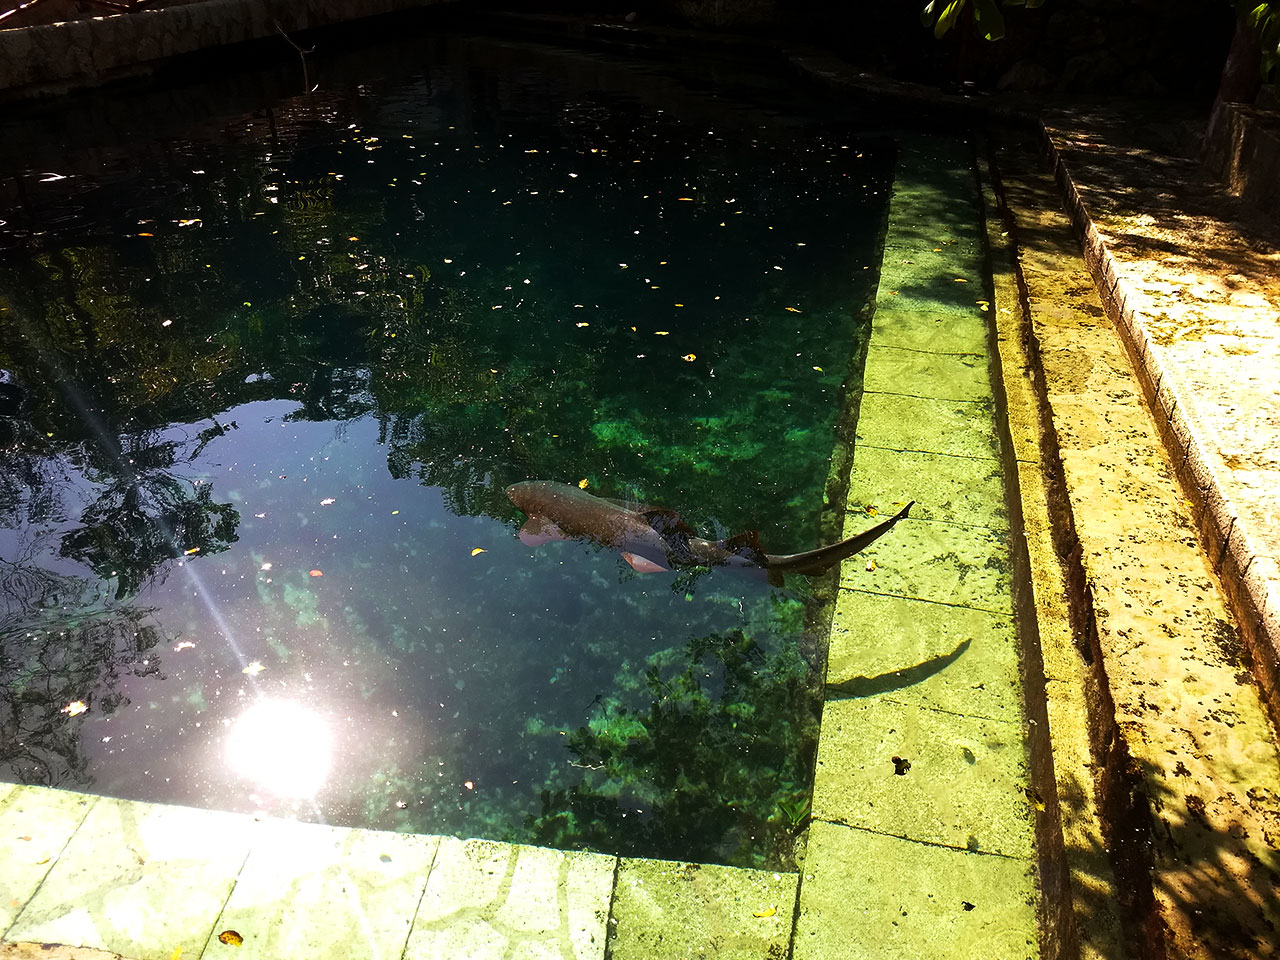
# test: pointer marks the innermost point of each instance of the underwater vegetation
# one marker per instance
(717, 767)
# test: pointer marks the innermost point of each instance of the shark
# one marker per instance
(656, 539)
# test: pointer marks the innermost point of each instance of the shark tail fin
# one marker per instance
(815, 562)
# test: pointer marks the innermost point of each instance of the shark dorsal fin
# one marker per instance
(745, 544)
(665, 520)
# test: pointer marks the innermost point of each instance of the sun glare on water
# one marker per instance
(282, 747)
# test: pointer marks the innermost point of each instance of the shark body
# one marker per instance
(654, 539)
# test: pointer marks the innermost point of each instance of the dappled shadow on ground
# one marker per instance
(1185, 887)
(1150, 198)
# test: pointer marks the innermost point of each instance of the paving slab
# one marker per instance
(35, 827)
(138, 879)
(941, 902)
(940, 562)
(957, 660)
(927, 373)
(667, 911)
(925, 775)
(899, 421)
(486, 899)
(316, 891)
(961, 490)
(916, 322)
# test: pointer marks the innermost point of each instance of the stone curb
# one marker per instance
(78, 53)
(1250, 577)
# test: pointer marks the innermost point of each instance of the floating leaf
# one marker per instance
(75, 708)
(582, 484)
(231, 938)
(146, 234)
(191, 551)
(765, 913)
(477, 551)
(792, 310)
(871, 565)
(317, 573)
(327, 501)
(961, 280)
(253, 669)
(184, 645)
(690, 357)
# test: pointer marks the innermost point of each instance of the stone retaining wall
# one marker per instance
(61, 56)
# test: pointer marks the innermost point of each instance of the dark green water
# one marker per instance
(275, 371)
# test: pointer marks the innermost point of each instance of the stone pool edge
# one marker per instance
(57, 57)
(154, 881)
(1246, 569)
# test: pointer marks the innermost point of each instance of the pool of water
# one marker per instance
(266, 374)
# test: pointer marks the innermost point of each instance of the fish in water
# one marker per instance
(654, 539)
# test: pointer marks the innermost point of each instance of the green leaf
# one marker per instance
(948, 17)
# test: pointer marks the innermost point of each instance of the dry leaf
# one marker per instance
(75, 708)
(765, 913)
(231, 938)
(316, 573)
(477, 551)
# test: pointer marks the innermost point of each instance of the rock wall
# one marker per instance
(60, 56)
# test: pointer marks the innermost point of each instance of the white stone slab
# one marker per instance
(498, 900)
(139, 879)
(35, 825)
(316, 891)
